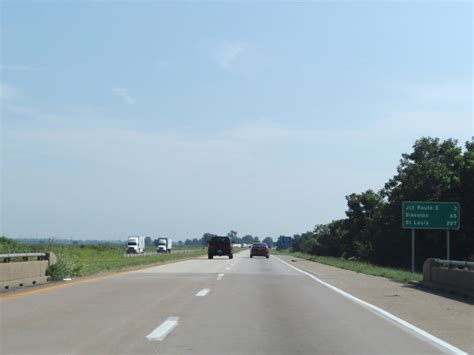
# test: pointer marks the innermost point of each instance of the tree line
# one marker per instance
(441, 171)
(233, 235)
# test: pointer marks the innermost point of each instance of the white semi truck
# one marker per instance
(164, 245)
(136, 245)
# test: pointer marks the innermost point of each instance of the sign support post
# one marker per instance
(448, 245)
(412, 250)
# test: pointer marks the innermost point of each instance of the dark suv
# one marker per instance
(219, 246)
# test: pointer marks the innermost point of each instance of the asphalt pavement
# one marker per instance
(201, 306)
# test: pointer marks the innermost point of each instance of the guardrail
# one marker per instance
(455, 263)
(142, 254)
(6, 258)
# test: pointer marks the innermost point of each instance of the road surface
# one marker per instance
(201, 306)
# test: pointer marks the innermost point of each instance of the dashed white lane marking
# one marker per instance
(441, 343)
(163, 330)
(227, 268)
(219, 277)
(203, 292)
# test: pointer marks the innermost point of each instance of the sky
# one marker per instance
(180, 118)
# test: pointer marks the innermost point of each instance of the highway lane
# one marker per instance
(255, 306)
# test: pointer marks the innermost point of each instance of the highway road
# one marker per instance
(201, 306)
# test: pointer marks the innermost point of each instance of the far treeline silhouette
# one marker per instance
(435, 171)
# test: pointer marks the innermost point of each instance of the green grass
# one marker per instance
(82, 260)
(398, 275)
(109, 262)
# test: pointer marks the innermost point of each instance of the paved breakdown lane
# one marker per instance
(200, 306)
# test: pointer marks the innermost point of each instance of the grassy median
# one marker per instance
(93, 261)
(398, 275)
(87, 259)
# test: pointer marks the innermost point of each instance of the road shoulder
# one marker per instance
(449, 319)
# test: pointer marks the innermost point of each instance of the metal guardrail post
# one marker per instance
(448, 246)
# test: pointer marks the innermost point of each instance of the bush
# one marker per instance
(64, 268)
(11, 246)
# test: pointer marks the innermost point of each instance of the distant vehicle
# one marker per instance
(136, 245)
(260, 249)
(164, 245)
(219, 246)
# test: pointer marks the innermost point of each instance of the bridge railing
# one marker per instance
(469, 265)
(6, 258)
(449, 275)
(24, 269)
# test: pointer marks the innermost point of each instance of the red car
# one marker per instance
(260, 249)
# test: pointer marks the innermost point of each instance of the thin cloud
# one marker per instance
(227, 53)
(17, 67)
(447, 93)
(8, 92)
(123, 93)
(22, 110)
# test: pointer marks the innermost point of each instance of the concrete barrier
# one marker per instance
(441, 275)
(17, 270)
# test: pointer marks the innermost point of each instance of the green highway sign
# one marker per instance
(430, 215)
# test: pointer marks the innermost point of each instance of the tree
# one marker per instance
(309, 243)
(256, 239)
(297, 244)
(434, 171)
(10, 246)
(233, 237)
(248, 239)
(148, 241)
(330, 237)
(363, 221)
(464, 244)
(206, 237)
(268, 241)
(431, 172)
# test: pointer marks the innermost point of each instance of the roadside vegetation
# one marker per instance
(362, 267)
(81, 260)
(371, 231)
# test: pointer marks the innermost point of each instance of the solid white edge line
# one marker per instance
(203, 292)
(163, 329)
(382, 312)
